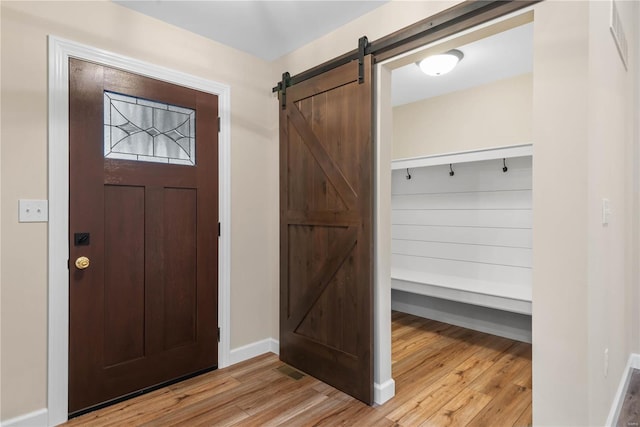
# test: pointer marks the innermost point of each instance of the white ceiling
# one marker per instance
(493, 58)
(266, 29)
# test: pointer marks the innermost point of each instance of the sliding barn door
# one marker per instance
(326, 242)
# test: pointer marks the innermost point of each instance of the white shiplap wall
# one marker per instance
(466, 236)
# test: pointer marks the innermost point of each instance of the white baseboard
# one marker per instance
(618, 400)
(491, 321)
(39, 418)
(383, 392)
(254, 349)
(634, 361)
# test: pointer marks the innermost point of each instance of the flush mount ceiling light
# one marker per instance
(437, 65)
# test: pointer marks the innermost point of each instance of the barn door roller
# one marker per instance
(363, 45)
(287, 80)
(282, 89)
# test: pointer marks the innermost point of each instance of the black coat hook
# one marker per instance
(504, 165)
(451, 172)
(408, 176)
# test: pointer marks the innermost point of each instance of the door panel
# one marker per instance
(124, 273)
(180, 266)
(145, 310)
(326, 321)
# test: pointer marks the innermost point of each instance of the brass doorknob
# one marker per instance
(82, 263)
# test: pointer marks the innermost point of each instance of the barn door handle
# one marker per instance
(82, 263)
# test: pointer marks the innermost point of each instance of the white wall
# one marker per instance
(635, 301)
(560, 371)
(474, 226)
(23, 174)
(382, 238)
(583, 284)
(610, 151)
(491, 115)
(502, 323)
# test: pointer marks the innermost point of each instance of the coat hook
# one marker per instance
(408, 174)
(504, 165)
(451, 172)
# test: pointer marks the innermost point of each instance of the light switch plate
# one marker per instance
(33, 210)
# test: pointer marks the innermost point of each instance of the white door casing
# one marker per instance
(60, 51)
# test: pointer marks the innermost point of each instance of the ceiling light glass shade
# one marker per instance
(437, 65)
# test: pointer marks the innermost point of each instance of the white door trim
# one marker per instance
(60, 51)
(384, 384)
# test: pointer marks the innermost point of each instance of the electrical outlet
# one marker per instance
(606, 362)
(33, 210)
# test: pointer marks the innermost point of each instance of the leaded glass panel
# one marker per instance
(148, 131)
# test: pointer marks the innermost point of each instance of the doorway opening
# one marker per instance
(142, 221)
(60, 51)
(465, 23)
(455, 187)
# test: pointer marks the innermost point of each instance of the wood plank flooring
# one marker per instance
(630, 411)
(445, 376)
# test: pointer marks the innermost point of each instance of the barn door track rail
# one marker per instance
(450, 21)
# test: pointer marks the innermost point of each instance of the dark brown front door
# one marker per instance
(143, 210)
(326, 243)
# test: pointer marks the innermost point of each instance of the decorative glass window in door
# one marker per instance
(147, 131)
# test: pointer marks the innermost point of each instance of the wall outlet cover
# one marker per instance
(33, 210)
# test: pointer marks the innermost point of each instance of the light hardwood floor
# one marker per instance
(445, 376)
(630, 412)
